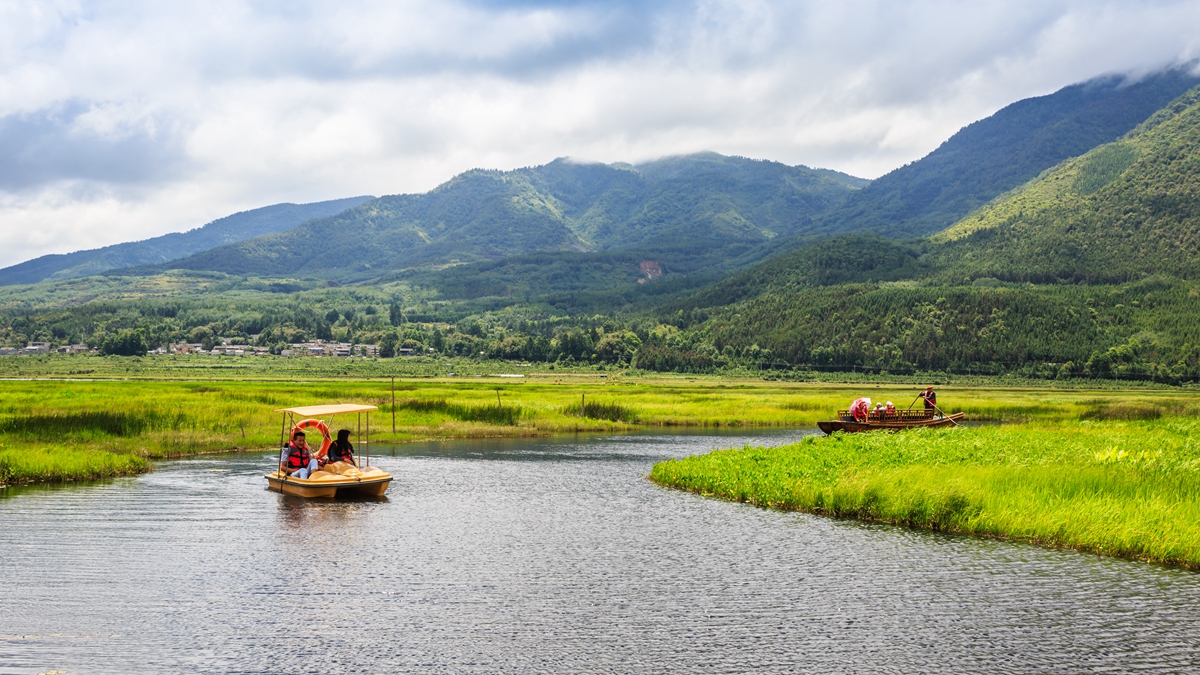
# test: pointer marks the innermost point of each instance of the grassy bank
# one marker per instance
(51, 464)
(1124, 488)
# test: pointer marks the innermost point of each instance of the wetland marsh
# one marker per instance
(1108, 471)
(63, 429)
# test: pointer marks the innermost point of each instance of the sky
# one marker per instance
(126, 120)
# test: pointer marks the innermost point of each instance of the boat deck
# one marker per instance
(918, 415)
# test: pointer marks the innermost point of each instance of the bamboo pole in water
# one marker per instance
(282, 437)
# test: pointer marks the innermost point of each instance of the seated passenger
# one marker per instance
(859, 409)
(889, 409)
(341, 450)
(296, 460)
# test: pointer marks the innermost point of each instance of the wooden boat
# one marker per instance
(337, 478)
(881, 421)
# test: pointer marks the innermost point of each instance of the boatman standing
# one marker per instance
(929, 397)
(296, 460)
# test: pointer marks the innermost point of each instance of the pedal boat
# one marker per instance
(337, 478)
(897, 421)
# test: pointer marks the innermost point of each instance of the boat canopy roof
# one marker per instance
(332, 409)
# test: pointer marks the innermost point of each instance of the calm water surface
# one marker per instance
(556, 556)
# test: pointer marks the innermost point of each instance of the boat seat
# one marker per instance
(344, 469)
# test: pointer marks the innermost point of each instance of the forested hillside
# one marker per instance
(682, 209)
(854, 258)
(1146, 329)
(1112, 235)
(237, 227)
(1120, 212)
(996, 154)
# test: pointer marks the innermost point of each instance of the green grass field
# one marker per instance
(113, 425)
(1111, 486)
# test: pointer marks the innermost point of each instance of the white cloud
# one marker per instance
(127, 120)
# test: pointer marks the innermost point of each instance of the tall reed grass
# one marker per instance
(1129, 489)
(122, 424)
(491, 414)
(596, 410)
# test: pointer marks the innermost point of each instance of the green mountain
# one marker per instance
(702, 214)
(688, 211)
(1121, 212)
(1089, 269)
(994, 155)
(852, 258)
(237, 227)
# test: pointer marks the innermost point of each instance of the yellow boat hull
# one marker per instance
(371, 483)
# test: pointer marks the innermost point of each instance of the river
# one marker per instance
(544, 555)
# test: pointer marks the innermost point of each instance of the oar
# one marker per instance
(945, 415)
(910, 405)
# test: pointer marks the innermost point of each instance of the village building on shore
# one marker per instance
(227, 348)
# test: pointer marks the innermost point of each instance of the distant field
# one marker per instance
(242, 368)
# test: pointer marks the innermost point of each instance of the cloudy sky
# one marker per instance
(125, 120)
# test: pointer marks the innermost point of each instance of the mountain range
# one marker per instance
(1088, 269)
(696, 214)
(237, 227)
(696, 207)
(704, 214)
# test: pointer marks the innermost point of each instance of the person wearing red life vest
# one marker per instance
(929, 397)
(341, 450)
(296, 460)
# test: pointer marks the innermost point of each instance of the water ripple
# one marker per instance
(544, 556)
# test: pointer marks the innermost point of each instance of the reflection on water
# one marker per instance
(543, 555)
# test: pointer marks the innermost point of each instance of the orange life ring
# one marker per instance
(326, 440)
